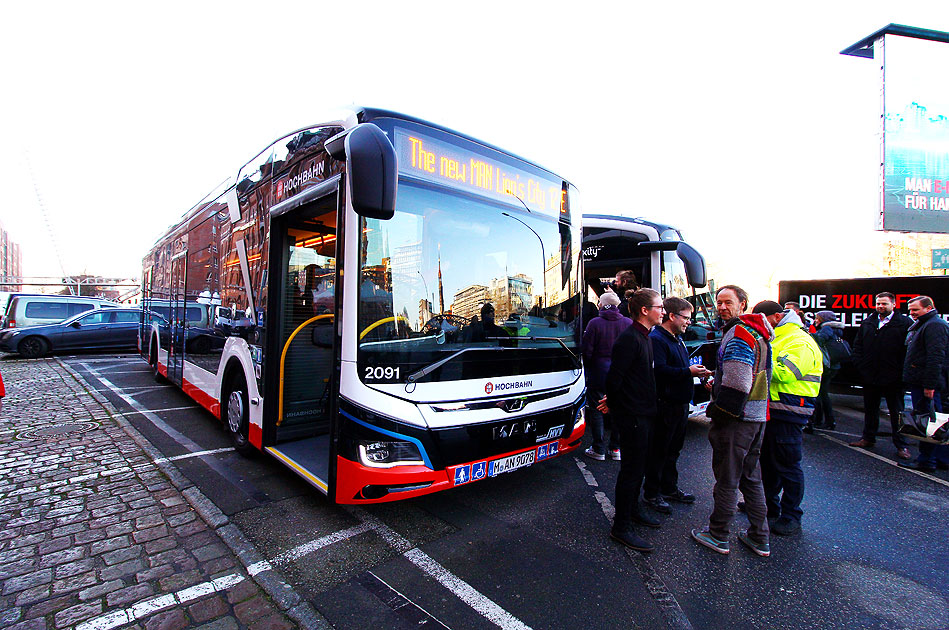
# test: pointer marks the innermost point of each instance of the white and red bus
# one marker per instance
(333, 305)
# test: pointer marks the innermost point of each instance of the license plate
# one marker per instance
(512, 462)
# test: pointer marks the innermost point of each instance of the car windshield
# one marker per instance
(451, 272)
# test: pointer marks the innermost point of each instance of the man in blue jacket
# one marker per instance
(674, 385)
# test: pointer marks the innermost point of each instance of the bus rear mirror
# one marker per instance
(694, 264)
(373, 171)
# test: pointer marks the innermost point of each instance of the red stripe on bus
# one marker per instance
(201, 397)
(256, 435)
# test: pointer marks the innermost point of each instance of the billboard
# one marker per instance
(915, 166)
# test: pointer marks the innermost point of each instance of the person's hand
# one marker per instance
(929, 393)
(699, 370)
(602, 407)
(708, 383)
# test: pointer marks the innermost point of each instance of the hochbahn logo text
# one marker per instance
(286, 186)
(501, 387)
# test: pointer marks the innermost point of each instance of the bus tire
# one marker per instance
(236, 416)
(32, 347)
(153, 361)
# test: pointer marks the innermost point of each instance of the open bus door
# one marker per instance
(302, 304)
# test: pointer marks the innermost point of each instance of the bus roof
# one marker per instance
(658, 227)
(366, 114)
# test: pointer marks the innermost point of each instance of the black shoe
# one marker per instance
(680, 497)
(658, 504)
(786, 527)
(942, 465)
(809, 429)
(917, 466)
(742, 507)
(631, 540)
(645, 518)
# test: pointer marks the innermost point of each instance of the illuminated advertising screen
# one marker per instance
(460, 168)
(915, 187)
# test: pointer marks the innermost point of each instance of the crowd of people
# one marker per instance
(770, 386)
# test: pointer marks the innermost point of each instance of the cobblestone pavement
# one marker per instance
(96, 533)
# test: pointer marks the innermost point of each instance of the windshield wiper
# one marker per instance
(428, 369)
(573, 357)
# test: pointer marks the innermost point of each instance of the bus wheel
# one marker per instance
(32, 347)
(236, 416)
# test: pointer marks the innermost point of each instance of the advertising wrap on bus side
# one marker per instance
(852, 300)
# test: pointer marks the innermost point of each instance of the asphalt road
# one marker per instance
(530, 549)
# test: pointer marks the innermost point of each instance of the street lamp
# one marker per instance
(543, 257)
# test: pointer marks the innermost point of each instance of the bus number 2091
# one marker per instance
(386, 373)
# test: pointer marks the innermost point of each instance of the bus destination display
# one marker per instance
(442, 163)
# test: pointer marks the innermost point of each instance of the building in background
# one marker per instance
(11, 262)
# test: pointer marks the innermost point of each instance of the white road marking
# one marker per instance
(591, 480)
(151, 606)
(196, 454)
(308, 547)
(884, 459)
(461, 589)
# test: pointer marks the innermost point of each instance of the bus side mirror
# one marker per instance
(373, 171)
(694, 264)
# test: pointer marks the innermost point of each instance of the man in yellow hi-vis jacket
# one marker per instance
(797, 364)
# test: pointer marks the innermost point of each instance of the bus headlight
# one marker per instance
(389, 454)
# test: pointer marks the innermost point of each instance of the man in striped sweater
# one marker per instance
(739, 410)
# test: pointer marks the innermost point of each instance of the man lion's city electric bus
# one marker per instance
(386, 306)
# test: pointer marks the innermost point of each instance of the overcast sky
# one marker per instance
(738, 122)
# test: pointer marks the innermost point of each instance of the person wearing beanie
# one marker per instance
(597, 345)
(796, 366)
(828, 328)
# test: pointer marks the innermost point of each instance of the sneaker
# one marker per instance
(785, 526)
(658, 504)
(760, 548)
(631, 540)
(645, 518)
(705, 538)
(594, 455)
(615, 455)
(680, 497)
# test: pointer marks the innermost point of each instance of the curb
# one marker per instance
(269, 580)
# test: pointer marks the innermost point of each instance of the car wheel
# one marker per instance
(236, 415)
(33, 347)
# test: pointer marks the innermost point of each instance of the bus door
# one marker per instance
(302, 306)
(176, 317)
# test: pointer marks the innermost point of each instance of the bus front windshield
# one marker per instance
(452, 272)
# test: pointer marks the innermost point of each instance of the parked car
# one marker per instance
(24, 309)
(99, 329)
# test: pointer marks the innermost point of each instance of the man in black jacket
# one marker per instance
(674, 384)
(878, 352)
(631, 398)
(925, 368)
